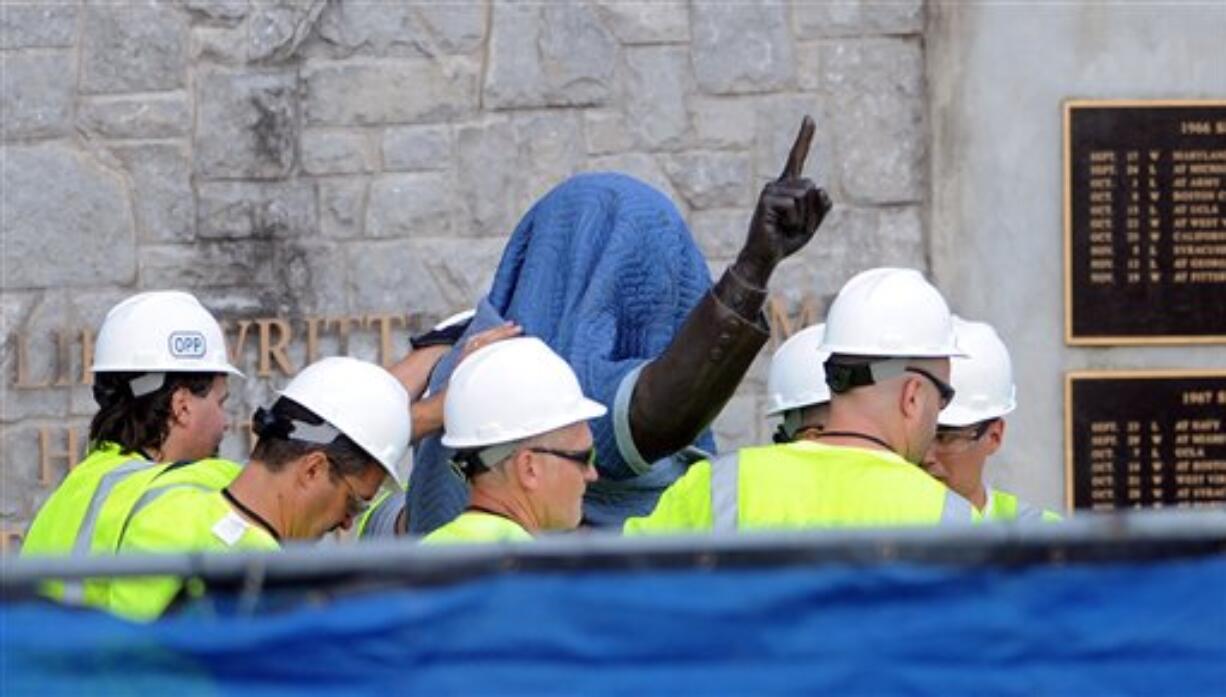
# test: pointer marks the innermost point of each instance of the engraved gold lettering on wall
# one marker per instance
(312, 340)
(386, 323)
(274, 349)
(60, 448)
(343, 326)
(87, 356)
(270, 340)
(24, 380)
(238, 345)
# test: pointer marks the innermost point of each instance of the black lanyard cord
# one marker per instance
(855, 434)
(251, 514)
(482, 509)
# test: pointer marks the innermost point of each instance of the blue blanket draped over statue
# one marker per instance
(1127, 628)
(605, 271)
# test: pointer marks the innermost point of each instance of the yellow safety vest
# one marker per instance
(1004, 506)
(478, 526)
(132, 495)
(802, 485)
(183, 519)
(380, 519)
(57, 527)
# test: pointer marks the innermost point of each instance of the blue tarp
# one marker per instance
(1157, 627)
(603, 269)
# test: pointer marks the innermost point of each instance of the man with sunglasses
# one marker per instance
(517, 419)
(890, 335)
(972, 428)
(334, 437)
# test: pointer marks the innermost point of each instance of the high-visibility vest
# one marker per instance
(183, 519)
(1003, 506)
(803, 485)
(132, 495)
(380, 519)
(478, 526)
(57, 528)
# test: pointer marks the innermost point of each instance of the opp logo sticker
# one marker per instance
(188, 345)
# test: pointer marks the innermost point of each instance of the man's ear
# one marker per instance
(525, 466)
(910, 400)
(181, 406)
(312, 467)
(995, 436)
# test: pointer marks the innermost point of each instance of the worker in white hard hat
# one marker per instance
(160, 380)
(388, 515)
(972, 428)
(518, 421)
(796, 388)
(337, 434)
(890, 335)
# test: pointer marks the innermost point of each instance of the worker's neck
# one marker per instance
(505, 502)
(868, 435)
(979, 494)
(168, 450)
(257, 489)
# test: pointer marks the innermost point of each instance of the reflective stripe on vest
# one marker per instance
(74, 591)
(725, 483)
(149, 497)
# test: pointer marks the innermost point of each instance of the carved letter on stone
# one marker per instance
(236, 349)
(71, 456)
(63, 357)
(23, 381)
(385, 322)
(87, 356)
(270, 351)
(312, 341)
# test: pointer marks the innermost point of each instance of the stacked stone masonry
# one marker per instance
(357, 166)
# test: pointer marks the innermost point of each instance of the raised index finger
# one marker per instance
(800, 150)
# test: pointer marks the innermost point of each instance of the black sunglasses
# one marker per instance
(944, 388)
(947, 435)
(583, 458)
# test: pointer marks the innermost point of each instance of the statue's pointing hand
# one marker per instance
(789, 211)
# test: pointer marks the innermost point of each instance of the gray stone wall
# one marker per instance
(998, 75)
(356, 166)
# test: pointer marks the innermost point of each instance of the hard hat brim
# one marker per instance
(226, 369)
(957, 417)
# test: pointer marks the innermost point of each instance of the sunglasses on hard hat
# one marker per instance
(583, 458)
(945, 389)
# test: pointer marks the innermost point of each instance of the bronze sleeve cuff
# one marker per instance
(682, 391)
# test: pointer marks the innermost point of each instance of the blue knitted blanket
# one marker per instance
(605, 271)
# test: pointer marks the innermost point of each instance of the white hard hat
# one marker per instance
(983, 378)
(510, 390)
(890, 312)
(165, 331)
(361, 400)
(797, 377)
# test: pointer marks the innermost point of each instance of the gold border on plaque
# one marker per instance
(1069, 339)
(1114, 374)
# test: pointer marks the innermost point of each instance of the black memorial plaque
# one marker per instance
(1145, 440)
(1145, 222)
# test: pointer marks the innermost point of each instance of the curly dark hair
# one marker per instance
(139, 423)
